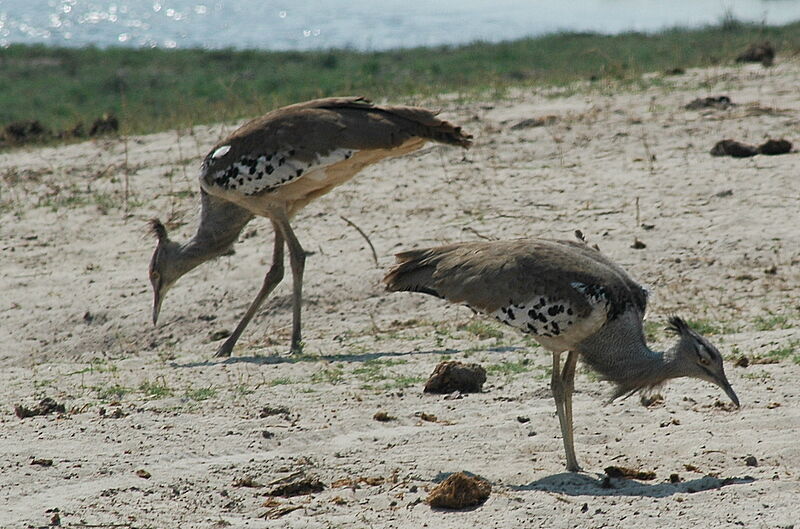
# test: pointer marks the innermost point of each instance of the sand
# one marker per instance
(158, 433)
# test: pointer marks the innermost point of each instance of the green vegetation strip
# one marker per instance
(154, 89)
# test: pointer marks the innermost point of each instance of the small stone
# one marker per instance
(382, 416)
(751, 461)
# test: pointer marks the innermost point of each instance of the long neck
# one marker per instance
(620, 354)
(220, 224)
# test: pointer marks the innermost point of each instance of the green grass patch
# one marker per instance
(328, 375)
(158, 89)
(790, 351)
(706, 327)
(772, 322)
(200, 393)
(373, 370)
(112, 393)
(280, 381)
(510, 367)
(156, 389)
(482, 329)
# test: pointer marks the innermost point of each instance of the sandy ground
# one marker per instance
(722, 240)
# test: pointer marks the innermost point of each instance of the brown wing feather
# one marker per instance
(315, 128)
(488, 275)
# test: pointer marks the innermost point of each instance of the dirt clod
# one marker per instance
(751, 461)
(456, 376)
(459, 491)
(427, 417)
(42, 462)
(142, 473)
(382, 416)
(629, 473)
(674, 478)
(46, 406)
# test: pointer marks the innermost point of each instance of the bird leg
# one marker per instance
(562, 383)
(271, 280)
(297, 261)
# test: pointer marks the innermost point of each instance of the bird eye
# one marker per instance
(704, 356)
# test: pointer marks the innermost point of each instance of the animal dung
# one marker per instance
(459, 491)
(718, 102)
(456, 376)
(733, 148)
(773, 147)
(738, 149)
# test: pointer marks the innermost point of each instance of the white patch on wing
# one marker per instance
(250, 175)
(548, 317)
(222, 151)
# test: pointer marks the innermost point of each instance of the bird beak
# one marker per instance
(156, 306)
(726, 387)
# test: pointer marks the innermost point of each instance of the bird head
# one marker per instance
(162, 272)
(698, 358)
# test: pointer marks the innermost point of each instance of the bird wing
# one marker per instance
(300, 140)
(492, 275)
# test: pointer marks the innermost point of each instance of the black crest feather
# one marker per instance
(677, 325)
(157, 228)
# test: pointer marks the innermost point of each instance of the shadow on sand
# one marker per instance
(585, 485)
(296, 358)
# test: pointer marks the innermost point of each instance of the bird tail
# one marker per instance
(430, 127)
(418, 121)
(413, 273)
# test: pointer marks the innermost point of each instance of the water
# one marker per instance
(359, 24)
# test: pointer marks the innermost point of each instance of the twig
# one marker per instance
(360, 231)
(476, 232)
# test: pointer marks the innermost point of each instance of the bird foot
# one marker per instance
(296, 348)
(574, 468)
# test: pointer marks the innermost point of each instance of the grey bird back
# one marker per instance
(487, 275)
